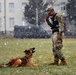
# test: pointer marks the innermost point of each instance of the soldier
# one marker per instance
(55, 21)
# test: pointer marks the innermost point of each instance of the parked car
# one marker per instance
(30, 32)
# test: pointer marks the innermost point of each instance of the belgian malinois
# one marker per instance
(24, 61)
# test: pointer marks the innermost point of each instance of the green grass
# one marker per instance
(10, 48)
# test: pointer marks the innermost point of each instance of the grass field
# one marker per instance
(43, 56)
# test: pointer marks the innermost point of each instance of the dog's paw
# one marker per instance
(35, 64)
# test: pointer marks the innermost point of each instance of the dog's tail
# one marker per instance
(3, 65)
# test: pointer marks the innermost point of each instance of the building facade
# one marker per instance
(58, 5)
(11, 13)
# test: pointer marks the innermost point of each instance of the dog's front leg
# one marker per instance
(32, 64)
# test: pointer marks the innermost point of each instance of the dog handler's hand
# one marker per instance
(59, 36)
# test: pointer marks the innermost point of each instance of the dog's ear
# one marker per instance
(26, 51)
(33, 48)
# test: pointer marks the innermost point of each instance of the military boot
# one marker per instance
(54, 63)
(1, 66)
(63, 62)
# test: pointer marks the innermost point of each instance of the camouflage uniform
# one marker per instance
(57, 39)
(57, 25)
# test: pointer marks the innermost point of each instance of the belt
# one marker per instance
(55, 30)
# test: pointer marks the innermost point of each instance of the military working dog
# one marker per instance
(21, 62)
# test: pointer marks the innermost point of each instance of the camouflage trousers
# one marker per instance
(57, 46)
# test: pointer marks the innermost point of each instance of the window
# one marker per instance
(11, 8)
(23, 6)
(0, 22)
(11, 22)
(0, 7)
(63, 8)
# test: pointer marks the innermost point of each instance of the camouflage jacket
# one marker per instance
(58, 18)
